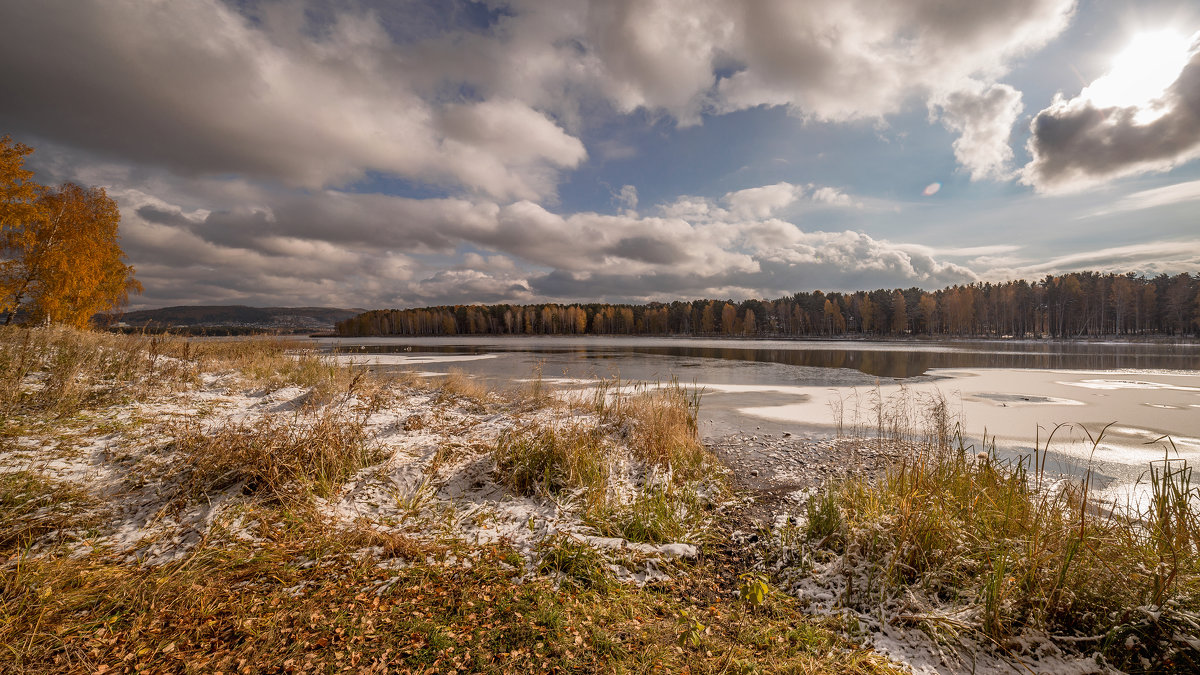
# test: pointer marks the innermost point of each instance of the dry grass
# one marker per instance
(579, 463)
(547, 459)
(664, 430)
(272, 362)
(459, 384)
(276, 457)
(287, 609)
(1010, 549)
(53, 372)
(654, 429)
(33, 506)
(304, 595)
(657, 423)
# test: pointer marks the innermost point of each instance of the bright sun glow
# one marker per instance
(1142, 72)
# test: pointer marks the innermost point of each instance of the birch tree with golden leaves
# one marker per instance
(62, 262)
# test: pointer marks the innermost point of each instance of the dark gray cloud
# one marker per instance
(463, 287)
(632, 288)
(316, 97)
(1075, 143)
(650, 250)
(201, 90)
(159, 216)
(367, 220)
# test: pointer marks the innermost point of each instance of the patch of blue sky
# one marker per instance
(390, 184)
(757, 147)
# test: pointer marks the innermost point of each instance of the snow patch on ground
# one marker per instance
(436, 478)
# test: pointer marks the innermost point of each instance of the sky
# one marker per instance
(372, 153)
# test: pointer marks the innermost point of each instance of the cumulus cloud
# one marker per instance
(760, 202)
(242, 143)
(853, 59)
(1081, 142)
(180, 261)
(322, 99)
(984, 118)
(627, 198)
(505, 147)
(199, 89)
(831, 61)
(757, 203)
(659, 54)
(394, 251)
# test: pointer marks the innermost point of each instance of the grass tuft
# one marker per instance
(659, 424)
(541, 459)
(460, 384)
(573, 561)
(277, 457)
(651, 430)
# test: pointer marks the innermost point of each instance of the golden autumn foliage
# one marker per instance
(61, 259)
(18, 193)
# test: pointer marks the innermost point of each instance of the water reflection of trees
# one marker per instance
(890, 363)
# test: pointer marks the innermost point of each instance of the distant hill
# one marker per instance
(225, 319)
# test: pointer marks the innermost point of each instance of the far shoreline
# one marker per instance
(924, 339)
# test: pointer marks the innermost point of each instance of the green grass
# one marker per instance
(656, 515)
(573, 561)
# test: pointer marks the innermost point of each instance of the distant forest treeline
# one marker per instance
(1071, 305)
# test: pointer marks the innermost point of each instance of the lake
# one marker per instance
(1018, 392)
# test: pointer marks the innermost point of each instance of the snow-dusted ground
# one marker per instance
(436, 479)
